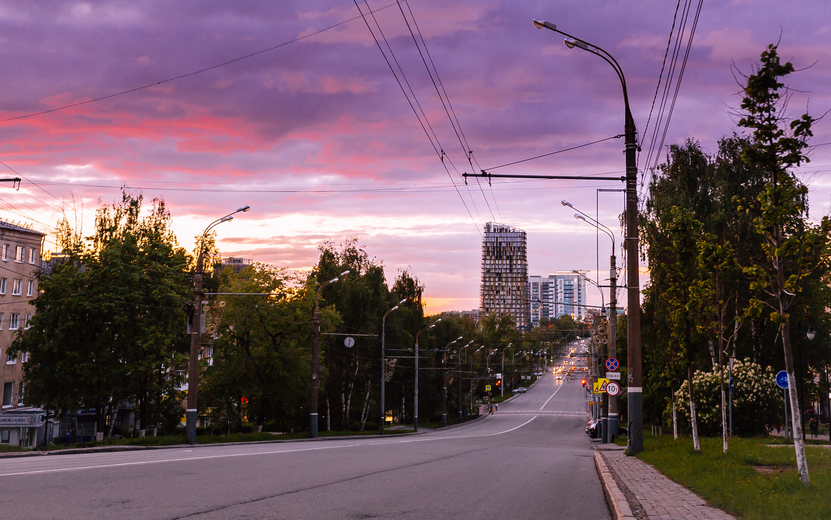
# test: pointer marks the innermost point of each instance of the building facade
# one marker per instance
(504, 288)
(20, 259)
(562, 293)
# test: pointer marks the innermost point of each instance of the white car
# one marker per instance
(520, 390)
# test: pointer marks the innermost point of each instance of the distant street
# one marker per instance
(531, 459)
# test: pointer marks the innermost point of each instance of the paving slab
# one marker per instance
(636, 490)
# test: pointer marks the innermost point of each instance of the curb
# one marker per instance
(618, 505)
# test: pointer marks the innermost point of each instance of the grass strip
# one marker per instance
(754, 480)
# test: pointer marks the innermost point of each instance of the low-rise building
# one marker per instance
(20, 259)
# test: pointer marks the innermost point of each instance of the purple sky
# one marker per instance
(318, 138)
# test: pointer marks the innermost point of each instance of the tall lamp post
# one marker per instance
(196, 329)
(384, 365)
(461, 404)
(444, 381)
(415, 396)
(502, 386)
(633, 326)
(610, 432)
(315, 357)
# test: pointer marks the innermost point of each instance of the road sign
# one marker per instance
(612, 364)
(782, 379)
(615, 376)
(600, 386)
(487, 388)
(349, 342)
(612, 388)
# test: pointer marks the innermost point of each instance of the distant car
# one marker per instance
(520, 390)
(560, 377)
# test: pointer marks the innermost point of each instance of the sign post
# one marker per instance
(782, 382)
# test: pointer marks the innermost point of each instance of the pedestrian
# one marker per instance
(814, 425)
(496, 407)
(490, 412)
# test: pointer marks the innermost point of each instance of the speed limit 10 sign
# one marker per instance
(612, 388)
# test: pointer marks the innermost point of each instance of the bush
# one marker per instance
(757, 401)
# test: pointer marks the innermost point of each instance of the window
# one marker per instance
(33, 254)
(11, 359)
(30, 288)
(21, 389)
(8, 390)
(17, 287)
(23, 358)
(26, 321)
(19, 254)
(5, 436)
(5, 252)
(2, 316)
(14, 321)
(3, 285)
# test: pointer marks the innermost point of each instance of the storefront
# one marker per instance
(20, 428)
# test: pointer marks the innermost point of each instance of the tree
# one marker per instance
(109, 324)
(792, 248)
(261, 356)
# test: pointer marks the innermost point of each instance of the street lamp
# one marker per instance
(196, 329)
(384, 365)
(609, 402)
(415, 397)
(444, 381)
(502, 386)
(461, 415)
(633, 328)
(315, 355)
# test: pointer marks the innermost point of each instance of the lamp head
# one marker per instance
(566, 203)
(574, 42)
(244, 208)
(580, 217)
(539, 23)
(226, 218)
(811, 334)
(402, 301)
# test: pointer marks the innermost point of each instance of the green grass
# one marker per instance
(732, 483)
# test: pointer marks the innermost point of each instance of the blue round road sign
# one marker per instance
(612, 364)
(782, 379)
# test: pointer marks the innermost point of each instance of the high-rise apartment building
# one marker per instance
(558, 294)
(505, 273)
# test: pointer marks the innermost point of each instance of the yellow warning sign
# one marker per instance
(599, 387)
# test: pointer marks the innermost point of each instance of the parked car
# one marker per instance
(520, 390)
(593, 429)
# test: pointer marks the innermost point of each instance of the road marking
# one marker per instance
(259, 452)
(552, 396)
(178, 459)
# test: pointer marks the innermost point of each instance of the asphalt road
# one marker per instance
(530, 460)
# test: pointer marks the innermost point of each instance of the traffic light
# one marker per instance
(498, 382)
(583, 382)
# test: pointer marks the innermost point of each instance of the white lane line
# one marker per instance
(552, 395)
(259, 452)
(178, 459)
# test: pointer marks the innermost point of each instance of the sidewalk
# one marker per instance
(636, 490)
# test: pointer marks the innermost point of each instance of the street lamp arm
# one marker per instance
(573, 41)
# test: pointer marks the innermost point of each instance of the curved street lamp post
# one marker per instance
(444, 381)
(315, 357)
(633, 328)
(415, 396)
(191, 415)
(384, 365)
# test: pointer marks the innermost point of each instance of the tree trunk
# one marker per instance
(365, 411)
(693, 423)
(346, 400)
(796, 413)
(674, 417)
